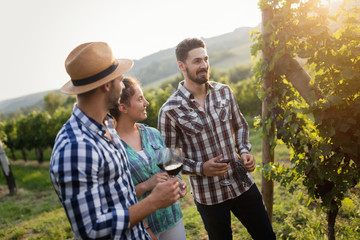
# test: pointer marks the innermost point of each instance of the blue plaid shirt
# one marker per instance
(91, 177)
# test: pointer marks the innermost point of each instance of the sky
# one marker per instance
(37, 35)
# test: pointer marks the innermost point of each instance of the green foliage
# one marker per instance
(37, 137)
(34, 132)
(3, 136)
(239, 73)
(23, 111)
(246, 96)
(324, 135)
(9, 137)
(157, 97)
(52, 101)
(57, 120)
(22, 128)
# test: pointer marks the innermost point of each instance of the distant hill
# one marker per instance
(11, 105)
(225, 51)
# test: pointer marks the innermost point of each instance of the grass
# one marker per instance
(36, 213)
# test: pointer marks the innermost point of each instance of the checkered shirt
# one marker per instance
(91, 177)
(203, 134)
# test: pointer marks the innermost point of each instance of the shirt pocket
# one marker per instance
(222, 109)
(154, 145)
(190, 123)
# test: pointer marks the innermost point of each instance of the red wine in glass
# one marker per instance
(173, 160)
(161, 166)
(173, 169)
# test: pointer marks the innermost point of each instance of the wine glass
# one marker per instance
(173, 159)
(159, 153)
(226, 181)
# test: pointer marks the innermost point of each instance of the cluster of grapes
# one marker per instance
(241, 173)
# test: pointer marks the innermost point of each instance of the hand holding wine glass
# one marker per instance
(213, 168)
(166, 193)
(227, 180)
(155, 179)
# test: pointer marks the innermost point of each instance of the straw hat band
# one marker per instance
(96, 77)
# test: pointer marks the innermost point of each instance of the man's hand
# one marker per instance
(212, 168)
(249, 161)
(166, 193)
(163, 195)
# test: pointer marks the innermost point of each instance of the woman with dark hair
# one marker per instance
(141, 143)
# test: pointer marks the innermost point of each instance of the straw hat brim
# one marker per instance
(124, 65)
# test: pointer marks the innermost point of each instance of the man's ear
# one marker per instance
(181, 66)
(106, 87)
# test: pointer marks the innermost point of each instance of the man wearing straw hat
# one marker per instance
(89, 168)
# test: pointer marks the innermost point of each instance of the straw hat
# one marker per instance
(91, 65)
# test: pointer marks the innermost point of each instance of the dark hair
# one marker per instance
(127, 92)
(186, 45)
(89, 93)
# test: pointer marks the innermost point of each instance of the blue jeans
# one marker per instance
(248, 208)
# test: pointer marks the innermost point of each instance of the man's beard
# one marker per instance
(113, 98)
(194, 78)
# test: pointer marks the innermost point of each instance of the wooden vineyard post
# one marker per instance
(267, 186)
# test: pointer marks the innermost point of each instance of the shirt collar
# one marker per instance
(187, 94)
(88, 122)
